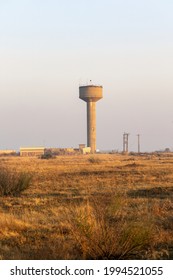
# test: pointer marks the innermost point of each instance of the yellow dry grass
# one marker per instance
(90, 207)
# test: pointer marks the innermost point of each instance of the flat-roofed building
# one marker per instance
(32, 151)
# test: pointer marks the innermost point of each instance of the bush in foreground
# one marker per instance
(13, 183)
(98, 237)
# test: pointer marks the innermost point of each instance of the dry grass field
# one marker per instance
(90, 207)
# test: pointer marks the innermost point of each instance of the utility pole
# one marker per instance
(125, 143)
(138, 135)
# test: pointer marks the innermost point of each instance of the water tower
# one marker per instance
(91, 94)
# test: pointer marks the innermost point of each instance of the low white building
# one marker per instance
(86, 150)
(32, 151)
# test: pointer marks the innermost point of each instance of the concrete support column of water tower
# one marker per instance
(91, 125)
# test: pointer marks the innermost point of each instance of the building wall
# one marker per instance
(86, 150)
(30, 152)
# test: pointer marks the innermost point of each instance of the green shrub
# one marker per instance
(13, 183)
(47, 156)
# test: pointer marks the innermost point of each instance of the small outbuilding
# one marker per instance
(32, 151)
(86, 150)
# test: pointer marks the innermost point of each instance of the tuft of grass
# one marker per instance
(94, 159)
(98, 237)
(13, 183)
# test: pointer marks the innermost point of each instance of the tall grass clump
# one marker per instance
(13, 183)
(100, 236)
(94, 159)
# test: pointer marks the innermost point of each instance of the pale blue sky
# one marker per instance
(47, 48)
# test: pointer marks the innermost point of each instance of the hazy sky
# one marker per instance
(49, 47)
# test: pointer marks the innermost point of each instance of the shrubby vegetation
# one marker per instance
(13, 183)
(47, 156)
(99, 233)
(94, 159)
